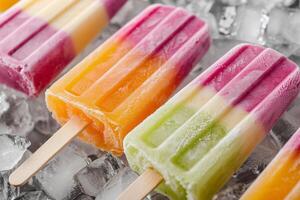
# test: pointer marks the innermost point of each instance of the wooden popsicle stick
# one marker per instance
(47, 151)
(142, 186)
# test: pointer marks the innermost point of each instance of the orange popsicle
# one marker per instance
(131, 75)
(5, 4)
(281, 179)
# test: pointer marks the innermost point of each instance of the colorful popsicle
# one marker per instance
(281, 179)
(38, 38)
(5, 4)
(124, 80)
(200, 137)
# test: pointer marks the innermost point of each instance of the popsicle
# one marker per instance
(194, 143)
(281, 179)
(122, 82)
(38, 38)
(5, 4)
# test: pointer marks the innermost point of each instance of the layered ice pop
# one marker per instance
(122, 82)
(130, 75)
(38, 38)
(5, 4)
(197, 140)
(281, 179)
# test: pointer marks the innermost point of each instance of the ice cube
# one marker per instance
(84, 197)
(93, 178)
(232, 193)
(12, 150)
(19, 114)
(86, 149)
(283, 30)
(57, 178)
(250, 24)
(33, 195)
(38, 109)
(156, 196)
(117, 184)
(234, 2)
(273, 3)
(225, 17)
(4, 105)
(7, 191)
(291, 28)
(227, 21)
(17, 120)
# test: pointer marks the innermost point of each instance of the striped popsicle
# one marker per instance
(199, 138)
(38, 38)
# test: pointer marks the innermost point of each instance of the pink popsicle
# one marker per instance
(39, 38)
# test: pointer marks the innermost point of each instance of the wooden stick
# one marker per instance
(47, 151)
(142, 186)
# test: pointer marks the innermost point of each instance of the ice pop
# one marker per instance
(281, 179)
(124, 80)
(5, 4)
(203, 134)
(38, 38)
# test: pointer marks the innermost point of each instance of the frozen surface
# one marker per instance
(12, 150)
(117, 184)
(84, 197)
(57, 178)
(6, 191)
(93, 178)
(34, 195)
(20, 115)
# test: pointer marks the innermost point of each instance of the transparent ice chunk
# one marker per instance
(250, 24)
(117, 184)
(234, 2)
(232, 193)
(283, 30)
(4, 105)
(156, 196)
(87, 150)
(34, 195)
(12, 150)
(84, 197)
(57, 178)
(7, 191)
(93, 178)
(19, 114)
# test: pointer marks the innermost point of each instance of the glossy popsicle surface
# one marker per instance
(130, 75)
(200, 137)
(38, 38)
(281, 179)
